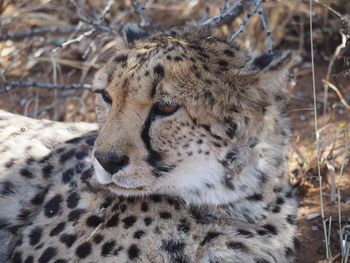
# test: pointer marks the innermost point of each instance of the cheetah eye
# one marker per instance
(105, 95)
(166, 109)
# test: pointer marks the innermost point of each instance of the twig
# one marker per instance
(246, 19)
(78, 39)
(140, 10)
(227, 14)
(330, 67)
(27, 84)
(337, 91)
(16, 36)
(98, 24)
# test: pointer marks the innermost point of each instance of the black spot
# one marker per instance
(60, 260)
(58, 229)
(184, 226)
(98, 238)
(81, 154)
(67, 175)
(222, 63)
(17, 257)
(237, 246)
(232, 155)
(35, 236)
(39, 197)
(66, 156)
(83, 250)
(231, 130)
(123, 208)
(144, 207)
(276, 209)
(122, 59)
(261, 260)
(24, 214)
(201, 215)
(129, 221)
(87, 174)
(228, 183)
(245, 233)
(75, 214)
(291, 219)
(165, 215)
(68, 239)
(113, 221)
(175, 248)
(270, 228)
(73, 200)
(159, 70)
(229, 53)
(7, 188)
(93, 221)
(262, 61)
(156, 198)
(209, 237)
(139, 234)
(133, 252)
(47, 255)
(148, 221)
(47, 170)
(255, 197)
(279, 200)
(29, 259)
(26, 173)
(107, 248)
(52, 207)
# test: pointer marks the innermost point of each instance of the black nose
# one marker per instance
(111, 162)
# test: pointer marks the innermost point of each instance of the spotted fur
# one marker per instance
(189, 163)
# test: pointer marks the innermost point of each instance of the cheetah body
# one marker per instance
(205, 181)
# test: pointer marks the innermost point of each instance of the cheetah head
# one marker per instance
(184, 112)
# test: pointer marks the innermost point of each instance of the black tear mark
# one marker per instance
(154, 158)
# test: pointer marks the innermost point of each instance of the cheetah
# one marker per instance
(187, 161)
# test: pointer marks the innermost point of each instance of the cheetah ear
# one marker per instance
(271, 62)
(133, 32)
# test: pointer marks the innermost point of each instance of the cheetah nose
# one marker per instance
(111, 162)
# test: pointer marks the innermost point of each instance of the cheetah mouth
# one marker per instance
(122, 187)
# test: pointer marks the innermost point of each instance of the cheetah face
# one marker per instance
(173, 110)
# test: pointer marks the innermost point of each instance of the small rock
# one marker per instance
(312, 216)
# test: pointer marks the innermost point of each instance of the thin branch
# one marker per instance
(9, 85)
(140, 10)
(337, 91)
(78, 39)
(330, 67)
(16, 36)
(246, 19)
(227, 14)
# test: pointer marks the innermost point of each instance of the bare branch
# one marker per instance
(16, 36)
(140, 10)
(227, 14)
(78, 39)
(27, 84)
(246, 19)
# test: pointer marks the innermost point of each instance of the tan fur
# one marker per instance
(207, 183)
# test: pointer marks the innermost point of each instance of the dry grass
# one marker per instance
(31, 30)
